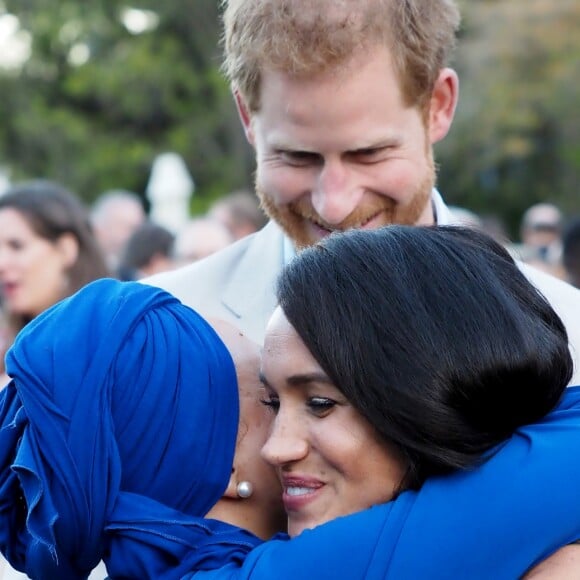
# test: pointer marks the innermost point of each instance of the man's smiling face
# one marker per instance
(341, 150)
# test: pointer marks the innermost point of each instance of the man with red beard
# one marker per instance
(342, 102)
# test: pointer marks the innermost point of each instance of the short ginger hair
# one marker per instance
(307, 37)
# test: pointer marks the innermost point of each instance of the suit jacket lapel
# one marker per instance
(250, 291)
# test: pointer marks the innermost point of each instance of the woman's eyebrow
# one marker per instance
(307, 378)
(300, 379)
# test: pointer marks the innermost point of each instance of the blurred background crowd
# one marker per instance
(52, 244)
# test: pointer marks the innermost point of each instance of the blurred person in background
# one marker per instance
(541, 226)
(200, 238)
(47, 251)
(540, 233)
(115, 215)
(148, 251)
(571, 251)
(6, 338)
(240, 212)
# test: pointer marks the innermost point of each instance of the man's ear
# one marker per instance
(245, 117)
(68, 247)
(442, 105)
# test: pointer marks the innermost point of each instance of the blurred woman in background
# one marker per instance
(47, 251)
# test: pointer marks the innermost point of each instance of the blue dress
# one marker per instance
(494, 522)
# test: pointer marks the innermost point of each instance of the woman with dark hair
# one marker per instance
(110, 459)
(434, 337)
(47, 249)
(418, 379)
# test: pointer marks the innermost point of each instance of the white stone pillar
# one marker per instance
(169, 191)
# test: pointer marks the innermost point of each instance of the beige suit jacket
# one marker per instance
(238, 284)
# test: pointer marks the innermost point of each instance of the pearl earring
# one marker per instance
(244, 489)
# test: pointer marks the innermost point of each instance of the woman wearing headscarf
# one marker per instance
(119, 424)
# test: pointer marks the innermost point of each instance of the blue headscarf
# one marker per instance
(118, 426)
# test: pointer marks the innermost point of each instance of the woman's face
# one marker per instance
(262, 513)
(32, 268)
(330, 460)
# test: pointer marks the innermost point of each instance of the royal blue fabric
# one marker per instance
(118, 427)
(494, 522)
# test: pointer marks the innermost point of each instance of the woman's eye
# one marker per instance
(272, 403)
(321, 406)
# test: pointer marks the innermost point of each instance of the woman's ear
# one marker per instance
(231, 491)
(442, 105)
(68, 246)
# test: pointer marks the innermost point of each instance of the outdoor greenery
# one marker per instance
(99, 98)
(516, 136)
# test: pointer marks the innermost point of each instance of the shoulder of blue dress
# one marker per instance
(570, 399)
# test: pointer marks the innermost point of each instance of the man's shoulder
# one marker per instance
(558, 292)
(210, 270)
(565, 300)
(194, 277)
(221, 284)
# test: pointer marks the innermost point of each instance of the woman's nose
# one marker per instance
(286, 443)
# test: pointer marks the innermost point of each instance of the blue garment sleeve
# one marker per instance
(496, 521)
(343, 548)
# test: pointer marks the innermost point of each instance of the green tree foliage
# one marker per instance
(99, 124)
(515, 139)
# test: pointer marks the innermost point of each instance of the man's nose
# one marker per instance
(286, 442)
(336, 193)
